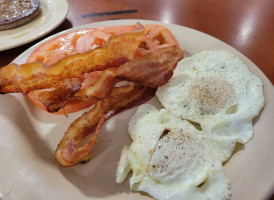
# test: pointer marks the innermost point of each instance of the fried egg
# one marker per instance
(171, 159)
(177, 152)
(216, 90)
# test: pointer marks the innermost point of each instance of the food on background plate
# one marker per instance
(14, 13)
(177, 152)
(120, 68)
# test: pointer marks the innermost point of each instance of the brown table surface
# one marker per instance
(246, 25)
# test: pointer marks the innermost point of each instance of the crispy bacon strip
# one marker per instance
(135, 97)
(34, 76)
(67, 154)
(55, 98)
(101, 88)
(154, 69)
(69, 151)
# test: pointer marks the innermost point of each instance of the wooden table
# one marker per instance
(246, 25)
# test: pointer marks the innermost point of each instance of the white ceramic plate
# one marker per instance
(29, 136)
(53, 14)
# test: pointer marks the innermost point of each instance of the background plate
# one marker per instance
(52, 15)
(29, 137)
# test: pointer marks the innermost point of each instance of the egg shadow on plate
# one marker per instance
(14, 112)
(239, 147)
(186, 53)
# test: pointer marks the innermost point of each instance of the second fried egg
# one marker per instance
(171, 159)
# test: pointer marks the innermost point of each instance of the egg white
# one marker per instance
(171, 159)
(216, 90)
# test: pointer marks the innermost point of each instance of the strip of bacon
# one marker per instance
(55, 98)
(153, 70)
(70, 151)
(101, 88)
(67, 154)
(34, 76)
